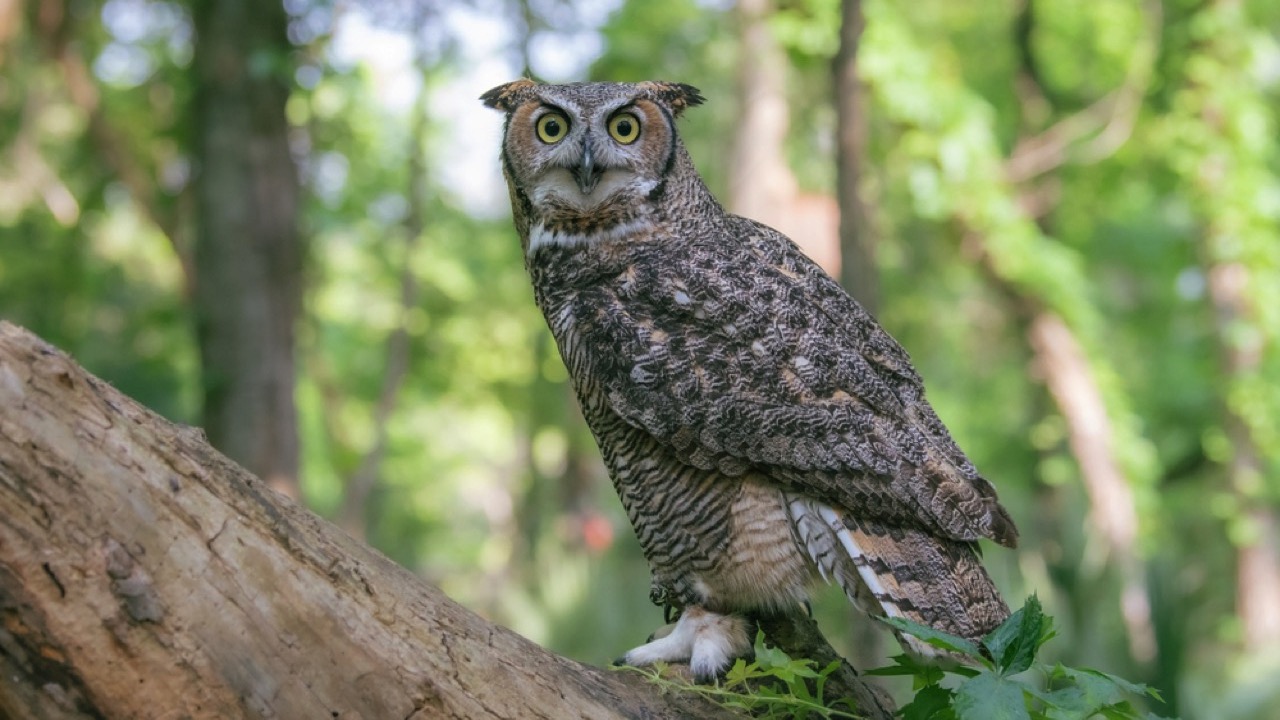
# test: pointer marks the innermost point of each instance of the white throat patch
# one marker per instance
(540, 236)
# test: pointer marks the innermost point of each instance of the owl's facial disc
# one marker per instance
(572, 159)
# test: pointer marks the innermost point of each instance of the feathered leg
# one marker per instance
(708, 641)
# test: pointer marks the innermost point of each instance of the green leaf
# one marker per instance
(935, 637)
(770, 657)
(1096, 688)
(990, 697)
(1126, 685)
(926, 677)
(1120, 711)
(820, 684)
(931, 703)
(803, 668)
(1064, 704)
(737, 674)
(903, 665)
(1014, 643)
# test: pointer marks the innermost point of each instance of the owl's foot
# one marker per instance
(708, 641)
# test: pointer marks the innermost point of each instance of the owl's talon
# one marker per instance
(708, 641)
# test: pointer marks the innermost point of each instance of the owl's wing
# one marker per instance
(748, 358)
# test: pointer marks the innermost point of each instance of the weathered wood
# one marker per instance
(144, 575)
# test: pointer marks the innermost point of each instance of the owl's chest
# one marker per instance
(710, 538)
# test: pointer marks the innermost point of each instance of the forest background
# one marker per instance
(286, 223)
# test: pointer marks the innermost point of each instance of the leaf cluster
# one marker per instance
(1000, 678)
(772, 685)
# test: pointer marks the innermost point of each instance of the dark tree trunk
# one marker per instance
(858, 273)
(248, 255)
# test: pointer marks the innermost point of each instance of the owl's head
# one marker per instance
(574, 149)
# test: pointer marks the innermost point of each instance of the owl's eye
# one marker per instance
(552, 128)
(624, 128)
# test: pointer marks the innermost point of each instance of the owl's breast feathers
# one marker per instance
(739, 354)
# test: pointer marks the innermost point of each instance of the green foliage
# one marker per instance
(1002, 680)
(1221, 141)
(998, 678)
(953, 167)
(772, 685)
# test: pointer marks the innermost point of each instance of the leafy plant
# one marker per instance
(772, 686)
(1000, 680)
(1003, 681)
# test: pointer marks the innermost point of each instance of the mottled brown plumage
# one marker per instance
(760, 427)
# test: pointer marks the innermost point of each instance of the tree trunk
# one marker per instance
(1258, 556)
(761, 184)
(248, 254)
(143, 574)
(858, 272)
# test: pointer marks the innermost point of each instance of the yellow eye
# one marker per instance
(552, 128)
(625, 128)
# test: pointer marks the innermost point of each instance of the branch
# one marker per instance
(141, 572)
(1110, 120)
(34, 176)
(55, 30)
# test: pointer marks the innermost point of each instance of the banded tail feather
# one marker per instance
(901, 572)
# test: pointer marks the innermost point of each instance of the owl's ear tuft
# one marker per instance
(508, 96)
(676, 96)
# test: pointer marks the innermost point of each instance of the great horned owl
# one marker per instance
(761, 429)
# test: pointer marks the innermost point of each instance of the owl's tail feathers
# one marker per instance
(900, 572)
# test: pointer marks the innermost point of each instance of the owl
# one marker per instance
(763, 432)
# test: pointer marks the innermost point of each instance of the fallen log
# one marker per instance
(145, 575)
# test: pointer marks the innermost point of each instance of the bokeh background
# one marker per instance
(286, 222)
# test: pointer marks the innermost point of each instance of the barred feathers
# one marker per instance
(903, 573)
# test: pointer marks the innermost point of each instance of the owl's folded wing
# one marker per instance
(820, 407)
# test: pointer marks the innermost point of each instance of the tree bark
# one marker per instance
(248, 255)
(858, 272)
(143, 574)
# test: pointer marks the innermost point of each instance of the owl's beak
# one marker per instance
(587, 174)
